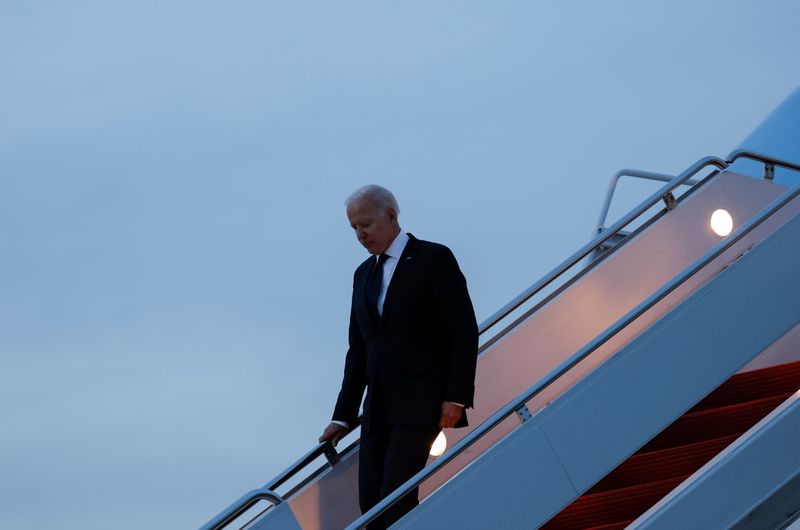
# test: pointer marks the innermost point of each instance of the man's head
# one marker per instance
(372, 211)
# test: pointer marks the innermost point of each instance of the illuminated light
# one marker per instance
(721, 222)
(439, 445)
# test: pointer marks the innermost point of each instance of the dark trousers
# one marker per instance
(388, 456)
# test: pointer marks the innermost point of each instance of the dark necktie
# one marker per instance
(374, 284)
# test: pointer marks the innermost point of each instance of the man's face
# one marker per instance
(375, 228)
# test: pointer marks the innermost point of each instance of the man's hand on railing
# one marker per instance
(333, 432)
(451, 413)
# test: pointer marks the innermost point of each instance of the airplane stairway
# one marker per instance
(680, 450)
(543, 374)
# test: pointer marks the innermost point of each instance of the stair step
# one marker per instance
(664, 463)
(752, 385)
(612, 526)
(609, 507)
(713, 423)
(680, 450)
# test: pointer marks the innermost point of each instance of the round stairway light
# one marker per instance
(721, 222)
(439, 445)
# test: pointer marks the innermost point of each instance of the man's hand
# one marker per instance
(333, 432)
(451, 413)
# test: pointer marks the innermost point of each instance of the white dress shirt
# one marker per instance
(394, 252)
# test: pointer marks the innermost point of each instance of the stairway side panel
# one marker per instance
(652, 381)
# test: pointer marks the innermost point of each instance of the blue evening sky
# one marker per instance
(175, 264)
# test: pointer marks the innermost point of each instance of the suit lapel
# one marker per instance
(404, 265)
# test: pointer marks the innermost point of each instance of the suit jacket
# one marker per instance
(421, 352)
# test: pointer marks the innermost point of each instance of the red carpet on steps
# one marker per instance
(680, 450)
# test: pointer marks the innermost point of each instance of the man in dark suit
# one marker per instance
(413, 346)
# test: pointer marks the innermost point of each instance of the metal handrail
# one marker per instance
(302, 462)
(519, 402)
(229, 514)
(323, 448)
(765, 159)
(662, 194)
(612, 187)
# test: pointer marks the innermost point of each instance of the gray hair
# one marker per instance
(378, 196)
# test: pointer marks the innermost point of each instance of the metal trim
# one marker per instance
(229, 514)
(524, 413)
(635, 173)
